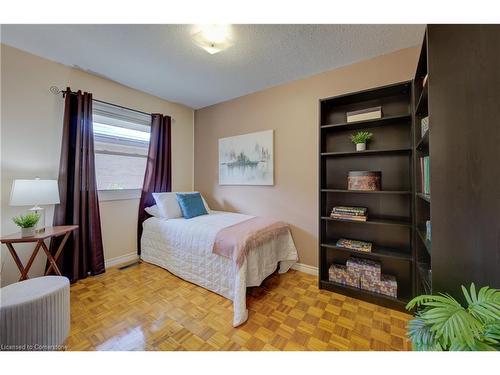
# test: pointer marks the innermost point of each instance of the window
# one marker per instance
(121, 141)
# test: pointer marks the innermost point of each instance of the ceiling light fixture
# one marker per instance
(213, 38)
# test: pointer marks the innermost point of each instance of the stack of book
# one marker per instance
(349, 213)
(425, 175)
(357, 245)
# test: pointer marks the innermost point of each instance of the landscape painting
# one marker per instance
(247, 159)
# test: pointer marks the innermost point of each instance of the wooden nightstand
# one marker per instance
(39, 238)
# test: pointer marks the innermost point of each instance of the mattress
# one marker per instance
(184, 247)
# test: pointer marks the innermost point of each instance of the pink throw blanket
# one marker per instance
(235, 241)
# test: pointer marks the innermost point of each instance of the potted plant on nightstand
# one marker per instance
(442, 323)
(27, 223)
(360, 139)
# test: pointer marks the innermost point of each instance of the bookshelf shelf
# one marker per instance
(389, 225)
(425, 197)
(371, 220)
(386, 120)
(381, 299)
(400, 192)
(367, 152)
(377, 251)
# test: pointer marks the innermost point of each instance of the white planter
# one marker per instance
(360, 146)
(27, 232)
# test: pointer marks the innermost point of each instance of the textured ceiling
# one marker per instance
(163, 60)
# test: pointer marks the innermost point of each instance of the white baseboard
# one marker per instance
(121, 259)
(311, 270)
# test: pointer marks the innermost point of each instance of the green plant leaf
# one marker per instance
(421, 336)
(466, 295)
(450, 321)
(492, 332)
(427, 299)
(454, 327)
(485, 306)
(482, 346)
(26, 221)
(360, 137)
(476, 346)
(462, 326)
(473, 292)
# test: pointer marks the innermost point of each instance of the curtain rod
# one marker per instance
(56, 91)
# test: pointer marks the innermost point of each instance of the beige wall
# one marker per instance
(292, 111)
(31, 124)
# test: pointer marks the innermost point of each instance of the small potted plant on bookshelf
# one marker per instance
(27, 223)
(360, 139)
(443, 323)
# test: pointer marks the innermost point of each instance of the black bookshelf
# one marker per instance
(461, 98)
(423, 265)
(390, 222)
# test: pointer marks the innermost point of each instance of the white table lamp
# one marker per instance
(35, 193)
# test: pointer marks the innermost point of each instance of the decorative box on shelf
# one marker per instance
(340, 274)
(364, 180)
(387, 285)
(364, 268)
(365, 274)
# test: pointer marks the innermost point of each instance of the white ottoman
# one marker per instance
(34, 314)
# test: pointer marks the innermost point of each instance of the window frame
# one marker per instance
(117, 194)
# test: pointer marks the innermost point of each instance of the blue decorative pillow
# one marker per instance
(191, 205)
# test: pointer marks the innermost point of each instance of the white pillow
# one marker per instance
(153, 211)
(169, 207)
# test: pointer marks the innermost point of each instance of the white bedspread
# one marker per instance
(184, 247)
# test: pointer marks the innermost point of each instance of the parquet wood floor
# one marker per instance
(147, 308)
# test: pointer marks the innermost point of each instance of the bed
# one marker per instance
(185, 248)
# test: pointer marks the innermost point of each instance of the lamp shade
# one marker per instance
(34, 192)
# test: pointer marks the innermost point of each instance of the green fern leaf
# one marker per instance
(421, 336)
(451, 322)
(486, 305)
(442, 323)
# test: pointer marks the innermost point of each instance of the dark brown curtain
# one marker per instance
(158, 176)
(79, 205)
